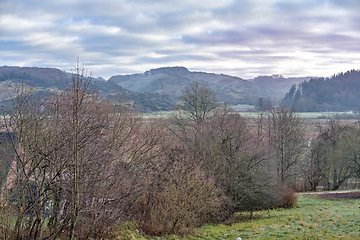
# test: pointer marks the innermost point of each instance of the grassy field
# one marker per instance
(312, 218)
(248, 111)
(308, 115)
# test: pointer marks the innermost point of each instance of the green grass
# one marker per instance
(159, 114)
(312, 218)
(243, 110)
(306, 115)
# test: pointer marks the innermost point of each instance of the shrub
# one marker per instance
(6, 219)
(178, 196)
(289, 198)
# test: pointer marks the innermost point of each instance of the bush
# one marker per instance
(289, 198)
(6, 220)
(178, 196)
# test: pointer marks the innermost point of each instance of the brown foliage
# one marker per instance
(178, 195)
(289, 198)
(70, 152)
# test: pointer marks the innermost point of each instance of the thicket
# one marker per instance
(334, 156)
(83, 165)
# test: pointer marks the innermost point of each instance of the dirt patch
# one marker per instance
(349, 195)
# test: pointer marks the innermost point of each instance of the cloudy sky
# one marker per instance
(245, 38)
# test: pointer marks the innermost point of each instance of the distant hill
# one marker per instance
(153, 90)
(43, 81)
(276, 86)
(341, 92)
(171, 81)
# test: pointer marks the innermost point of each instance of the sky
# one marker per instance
(244, 38)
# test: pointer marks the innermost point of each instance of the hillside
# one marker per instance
(341, 92)
(43, 81)
(153, 90)
(276, 86)
(170, 81)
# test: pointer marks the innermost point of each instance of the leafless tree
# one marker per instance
(315, 164)
(197, 102)
(340, 153)
(228, 151)
(287, 141)
(69, 149)
(354, 142)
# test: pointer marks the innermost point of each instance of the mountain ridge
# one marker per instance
(44, 81)
(160, 88)
(172, 80)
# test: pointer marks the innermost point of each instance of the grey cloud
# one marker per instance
(174, 58)
(131, 35)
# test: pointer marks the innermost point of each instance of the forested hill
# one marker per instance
(170, 81)
(341, 92)
(44, 81)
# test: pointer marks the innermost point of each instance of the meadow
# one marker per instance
(312, 218)
(248, 111)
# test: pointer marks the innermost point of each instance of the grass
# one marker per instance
(248, 111)
(159, 114)
(312, 218)
(308, 115)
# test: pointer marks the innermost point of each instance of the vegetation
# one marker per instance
(312, 218)
(338, 93)
(171, 81)
(45, 81)
(287, 139)
(84, 165)
(334, 155)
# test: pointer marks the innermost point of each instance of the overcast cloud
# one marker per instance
(245, 38)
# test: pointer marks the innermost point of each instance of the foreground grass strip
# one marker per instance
(312, 218)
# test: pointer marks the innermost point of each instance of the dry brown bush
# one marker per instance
(289, 198)
(178, 196)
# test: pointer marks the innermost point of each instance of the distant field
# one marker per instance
(248, 111)
(326, 115)
(312, 218)
(160, 114)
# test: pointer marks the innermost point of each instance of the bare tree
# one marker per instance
(23, 175)
(197, 105)
(6, 155)
(315, 164)
(339, 154)
(286, 138)
(233, 155)
(69, 151)
(96, 136)
(197, 102)
(354, 142)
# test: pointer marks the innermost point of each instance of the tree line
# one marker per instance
(341, 92)
(82, 165)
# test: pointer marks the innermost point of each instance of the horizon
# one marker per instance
(115, 74)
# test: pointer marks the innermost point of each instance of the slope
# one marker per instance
(341, 92)
(170, 81)
(44, 81)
